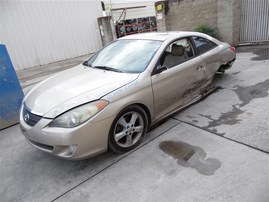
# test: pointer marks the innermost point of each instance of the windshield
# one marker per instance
(130, 56)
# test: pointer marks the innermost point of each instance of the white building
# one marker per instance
(40, 32)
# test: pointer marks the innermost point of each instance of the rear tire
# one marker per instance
(128, 129)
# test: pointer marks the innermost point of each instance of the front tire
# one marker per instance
(128, 129)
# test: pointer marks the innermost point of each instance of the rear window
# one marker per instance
(203, 45)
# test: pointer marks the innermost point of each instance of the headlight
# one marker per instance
(78, 115)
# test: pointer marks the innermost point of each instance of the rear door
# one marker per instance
(180, 82)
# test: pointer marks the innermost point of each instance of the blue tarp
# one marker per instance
(11, 94)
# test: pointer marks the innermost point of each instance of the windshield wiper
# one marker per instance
(107, 68)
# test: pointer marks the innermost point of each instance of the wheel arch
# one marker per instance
(145, 108)
(132, 106)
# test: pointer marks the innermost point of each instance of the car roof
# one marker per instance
(162, 36)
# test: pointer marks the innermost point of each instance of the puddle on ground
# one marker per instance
(190, 156)
(262, 54)
(247, 93)
(227, 118)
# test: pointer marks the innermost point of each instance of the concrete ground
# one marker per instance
(215, 150)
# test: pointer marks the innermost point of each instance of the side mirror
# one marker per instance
(161, 69)
(85, 63)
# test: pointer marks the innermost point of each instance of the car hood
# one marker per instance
(73, 87)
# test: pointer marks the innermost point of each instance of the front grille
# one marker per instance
(43, 146)
(30, 118)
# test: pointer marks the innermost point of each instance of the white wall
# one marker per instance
(40, 32)
(149, 10)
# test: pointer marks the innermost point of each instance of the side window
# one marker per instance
(203, 45)
(176, 53)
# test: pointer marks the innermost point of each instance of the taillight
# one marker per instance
(233, 49)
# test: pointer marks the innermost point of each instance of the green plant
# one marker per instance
(207, 29)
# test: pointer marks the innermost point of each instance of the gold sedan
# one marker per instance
(110, 100)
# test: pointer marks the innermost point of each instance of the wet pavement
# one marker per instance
(190, 156)
(238, 110)
(150, 174)
(215, 150)
(260, 52)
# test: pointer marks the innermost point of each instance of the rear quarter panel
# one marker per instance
(216, 57)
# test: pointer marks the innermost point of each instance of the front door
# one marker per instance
(175, 86)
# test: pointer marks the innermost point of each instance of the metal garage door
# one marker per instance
(254, 21)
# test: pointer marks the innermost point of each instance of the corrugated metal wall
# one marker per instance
(41, 32)
(254, 21)
(148, 10)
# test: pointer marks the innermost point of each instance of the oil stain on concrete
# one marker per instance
(262, 54)
(248, 93)
(227, 118)
(190, 156)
